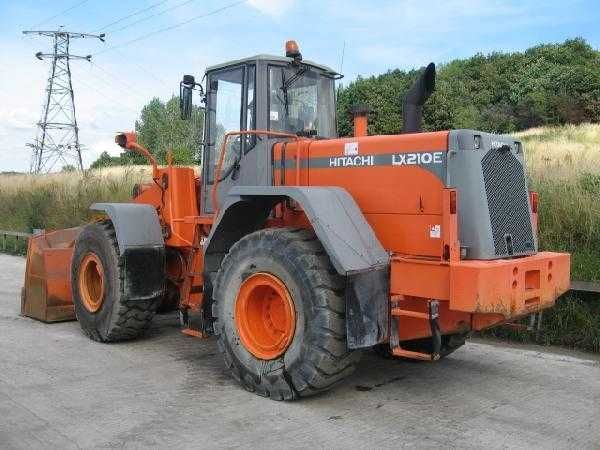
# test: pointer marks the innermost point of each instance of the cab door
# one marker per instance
(230, 107)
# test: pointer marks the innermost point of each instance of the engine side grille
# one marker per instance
(507, 198)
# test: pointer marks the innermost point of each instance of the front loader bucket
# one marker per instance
(46, 295)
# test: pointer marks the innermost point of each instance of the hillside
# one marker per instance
(550, 84)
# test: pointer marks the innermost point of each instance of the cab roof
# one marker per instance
(274, 58)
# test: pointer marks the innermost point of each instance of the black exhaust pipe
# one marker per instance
(417, 95)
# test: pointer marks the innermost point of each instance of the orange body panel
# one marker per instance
(502, 290)
(400, 205)
(175, 197)
(511, 287)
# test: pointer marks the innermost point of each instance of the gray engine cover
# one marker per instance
(494, 213)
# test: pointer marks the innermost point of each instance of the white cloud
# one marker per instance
(273, 8)
(96, 147)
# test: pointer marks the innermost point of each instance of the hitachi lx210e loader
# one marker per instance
(297, 248)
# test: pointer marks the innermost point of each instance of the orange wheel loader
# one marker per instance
(297, 249)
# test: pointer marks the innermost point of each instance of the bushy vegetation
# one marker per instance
(550, 84)
(573, 322)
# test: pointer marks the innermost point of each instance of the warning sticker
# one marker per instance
(351, 149)
(435, 231)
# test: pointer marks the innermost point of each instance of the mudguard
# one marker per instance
(136, 225)
(342, 229)
(141, 246)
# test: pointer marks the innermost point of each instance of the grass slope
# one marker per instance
(564, 167)
(62, 200)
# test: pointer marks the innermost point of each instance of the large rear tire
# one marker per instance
(97, 273)
(280, 315)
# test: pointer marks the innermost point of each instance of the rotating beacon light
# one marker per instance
(292, 50)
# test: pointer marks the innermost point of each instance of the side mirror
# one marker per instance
(186, 89)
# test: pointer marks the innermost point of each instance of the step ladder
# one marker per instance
(432, 316)
(192, 324)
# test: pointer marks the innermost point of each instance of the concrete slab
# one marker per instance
(60, 390)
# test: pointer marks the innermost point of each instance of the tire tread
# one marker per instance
(327, 359)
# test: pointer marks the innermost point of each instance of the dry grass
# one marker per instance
(561, 152)
(564, 167)
(62, 200)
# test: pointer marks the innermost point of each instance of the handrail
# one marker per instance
(222, 155)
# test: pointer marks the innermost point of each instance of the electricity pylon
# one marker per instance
(57, 140)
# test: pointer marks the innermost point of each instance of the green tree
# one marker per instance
(159, 129)
(548, 84)
(105, 160)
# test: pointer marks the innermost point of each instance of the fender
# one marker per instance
(342, 229)
(141, 246)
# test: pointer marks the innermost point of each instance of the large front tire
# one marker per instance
(104, 312)
(274, 349)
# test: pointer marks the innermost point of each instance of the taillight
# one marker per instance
(534, 200)
(452, 202)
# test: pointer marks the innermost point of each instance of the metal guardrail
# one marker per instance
(17, 235)
(586, 286)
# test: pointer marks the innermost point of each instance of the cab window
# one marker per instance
(226, 88)
(301, 101)
(250, 140)
(232, 108)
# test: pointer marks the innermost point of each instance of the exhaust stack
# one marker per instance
(360, 114)
(415, 98)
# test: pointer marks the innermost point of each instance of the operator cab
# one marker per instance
(262, 92)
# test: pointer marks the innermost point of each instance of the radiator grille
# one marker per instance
(507, 198)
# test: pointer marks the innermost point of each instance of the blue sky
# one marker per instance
(376, 35)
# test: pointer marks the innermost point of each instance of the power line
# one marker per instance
(172, 27)
(142, 96)
(129, 87)
(70, 8)
(111, 94)
(149, 72)
(135, 13)
(143, 19)
(108, 98)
